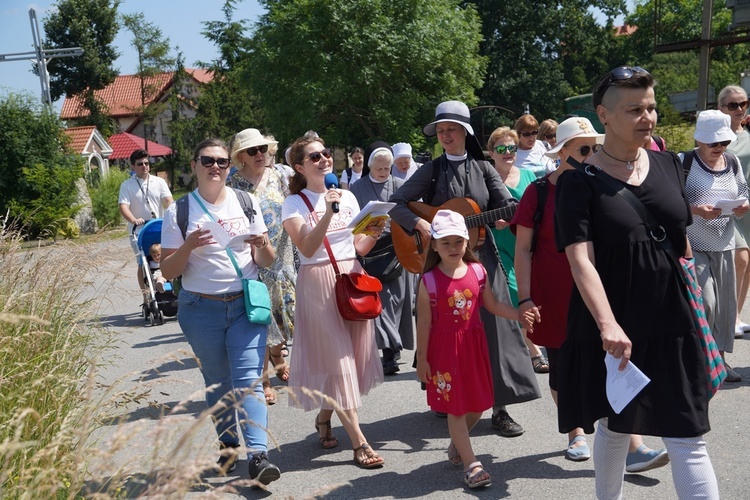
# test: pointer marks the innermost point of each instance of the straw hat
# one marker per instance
(573, 128)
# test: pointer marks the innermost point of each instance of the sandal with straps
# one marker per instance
(454, 456)
(472, 480)
(329, 440)
(280, 365)
(370, 460)
(540, 364)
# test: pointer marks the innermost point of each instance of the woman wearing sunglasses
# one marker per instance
(715, 174)
(530, 154)
(734, 102)
(628, 301)
(335, 362)
(548, 133)
(502, 145)
(251, 153)
(212, 312)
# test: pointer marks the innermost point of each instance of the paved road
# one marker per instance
(154, 368)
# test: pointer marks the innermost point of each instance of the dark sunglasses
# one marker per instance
(254, 150)
(529, 134)
(585, 150)
(501, 149)
(142, 163)
(617, 74)
(208, 162)
(315, 156)
(732, 106)
(549, 137)
(723, 144)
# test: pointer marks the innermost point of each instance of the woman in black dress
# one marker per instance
(628, 298)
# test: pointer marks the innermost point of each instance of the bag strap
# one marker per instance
(229, 252)
(479, 272)
(183, 209)
(655, 230)
(542, 188)
(431, 287)
(325, 238)
(687, 162)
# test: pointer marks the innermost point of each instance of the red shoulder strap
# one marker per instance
(325, 238)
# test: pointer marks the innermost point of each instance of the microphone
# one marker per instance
(332, 182)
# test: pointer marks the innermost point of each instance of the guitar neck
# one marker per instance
(506, 213)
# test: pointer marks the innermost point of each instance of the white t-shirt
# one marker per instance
(345, 178)
(535, 160)
(340, 238)
(134, 192)
(209, 269)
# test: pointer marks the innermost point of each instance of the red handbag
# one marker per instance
(357, 294)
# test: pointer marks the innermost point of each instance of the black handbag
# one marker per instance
(381, 261)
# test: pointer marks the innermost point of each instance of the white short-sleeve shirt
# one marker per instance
(134, 192)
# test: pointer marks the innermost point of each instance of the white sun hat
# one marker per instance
(573, 128)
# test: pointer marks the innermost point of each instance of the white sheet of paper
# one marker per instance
(373, 207)
(623, 386)
(221, 237)
(727, 206)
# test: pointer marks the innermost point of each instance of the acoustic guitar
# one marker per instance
(411, 249)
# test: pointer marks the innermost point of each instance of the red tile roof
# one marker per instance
(79, 137)
(625, 30)
(124, 144)
(123, 96)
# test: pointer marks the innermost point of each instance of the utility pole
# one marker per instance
(41, 57)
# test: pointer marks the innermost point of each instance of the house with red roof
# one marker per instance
(123, 100)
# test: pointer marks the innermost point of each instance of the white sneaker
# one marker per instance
(739, 332)
(745, 327)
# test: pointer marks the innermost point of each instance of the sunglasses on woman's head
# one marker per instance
(723, 144)
(254, 150)
(315, 156)
(617, 74)
(732, 106)
(529, 134)
(585, 150)
(208, 162)
(510, 148)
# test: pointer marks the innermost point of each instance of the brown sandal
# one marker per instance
(329, 440)
(370, 460)
(280, 365)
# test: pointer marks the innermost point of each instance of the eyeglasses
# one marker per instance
(315, 156)
(585, 150)
(142, 163)
(617, 74)
(254, 150)
(208, 162)
(723, 144)
(529, 134)
(549, 137)
(501, 149)
(732, 106)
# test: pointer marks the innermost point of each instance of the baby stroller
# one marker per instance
(159, 304)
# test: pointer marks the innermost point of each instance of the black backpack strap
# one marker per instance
(733, 161)
(687, 162)
(183, 210)
(348, 171)
(659, 140)
(246, 203)
(433, 181)
(542, 188)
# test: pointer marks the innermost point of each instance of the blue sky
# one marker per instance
(180, 20)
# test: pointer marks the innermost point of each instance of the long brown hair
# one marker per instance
(433, 258)
(297, 156)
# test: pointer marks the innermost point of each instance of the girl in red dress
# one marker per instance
(452, 356)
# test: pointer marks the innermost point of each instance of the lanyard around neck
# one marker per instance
(229, 252)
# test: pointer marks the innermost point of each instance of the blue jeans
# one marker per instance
(231, 351)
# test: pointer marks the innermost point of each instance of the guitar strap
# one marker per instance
(437, 166)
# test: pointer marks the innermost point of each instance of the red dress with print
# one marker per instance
(457, 349)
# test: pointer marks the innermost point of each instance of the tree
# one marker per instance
(91, 25)
(153, 58)
(542, 51)
(182, 135)
(227, 104)
(360, 70)
(37, 172)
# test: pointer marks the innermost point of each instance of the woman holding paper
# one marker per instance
(628, 301)
(334, 361)
(715, 175)
(212, 311)
(394, 328)
(251, 154)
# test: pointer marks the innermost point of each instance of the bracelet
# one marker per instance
(523, 301)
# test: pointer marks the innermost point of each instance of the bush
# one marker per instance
(104, 198)
(37, 171)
